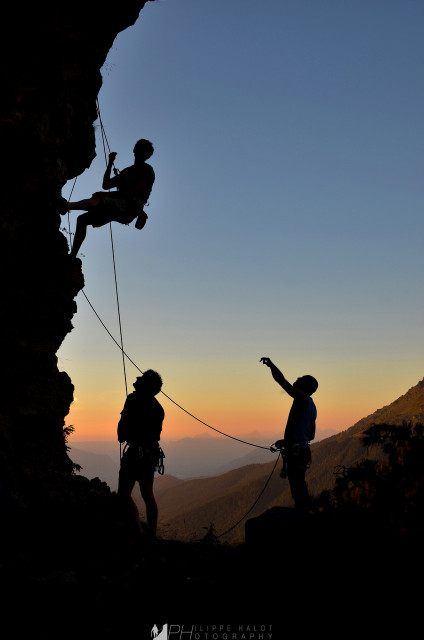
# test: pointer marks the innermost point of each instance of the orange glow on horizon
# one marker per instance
(100, 422)
(233, 403)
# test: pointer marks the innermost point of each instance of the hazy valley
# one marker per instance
(186, 458)
(210, 480)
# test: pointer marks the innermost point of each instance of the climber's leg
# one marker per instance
(85, 205)
(81, 231)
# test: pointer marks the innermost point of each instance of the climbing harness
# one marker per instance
(149, 454)
(286, 449)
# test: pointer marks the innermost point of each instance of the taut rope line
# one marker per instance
(125, 355)
(120, 344)
(69, 217)
(104, 140)
(166, 396)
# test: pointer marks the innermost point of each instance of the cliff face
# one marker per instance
(51, 60)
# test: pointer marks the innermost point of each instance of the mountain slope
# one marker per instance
(98, 465)
(193, 457)
(261, 456)
(222, 500)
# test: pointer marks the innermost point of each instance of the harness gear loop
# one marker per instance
(145, 451)
(160, 466)
(288, 447)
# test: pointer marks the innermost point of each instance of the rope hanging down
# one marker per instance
(121, 344)
(125, 355)
(202, 422)
(105, 142)
(69, 217)
(256, 501)
(163, 393)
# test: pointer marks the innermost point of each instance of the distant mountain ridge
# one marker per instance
(258, 456)
(188, 507)
(97, 465)
(408, 407)
(190, 457)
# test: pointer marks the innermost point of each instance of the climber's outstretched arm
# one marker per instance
(108, 181)
(294, 392)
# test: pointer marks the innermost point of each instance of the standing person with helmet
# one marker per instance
(300, 430)
(140, 428)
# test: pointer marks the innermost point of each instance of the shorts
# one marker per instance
(298, 459)
(115, 210)
(137, 465)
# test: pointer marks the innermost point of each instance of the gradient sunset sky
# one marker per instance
(286, 219)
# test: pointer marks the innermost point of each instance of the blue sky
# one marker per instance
(286, 218)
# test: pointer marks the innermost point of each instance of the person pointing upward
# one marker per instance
(299, 431)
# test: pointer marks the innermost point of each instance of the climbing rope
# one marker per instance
(213, 428)
(69, 217)
(256, 501)
(119, 311)
(162, 392)
(125, 355)
(105, 142)
(120, 344)
(201, 421)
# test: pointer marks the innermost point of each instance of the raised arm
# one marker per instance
(109, 182)
(294, 392)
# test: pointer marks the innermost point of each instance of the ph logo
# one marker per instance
(161, 634)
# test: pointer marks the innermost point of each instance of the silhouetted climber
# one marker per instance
(140, 427)
(134, 186)
(300, 430)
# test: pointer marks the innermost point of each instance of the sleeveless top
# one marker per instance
(301, 421)
(136, 181)
(141, 420)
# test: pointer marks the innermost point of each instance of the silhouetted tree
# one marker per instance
(210, 535)
(388, 492)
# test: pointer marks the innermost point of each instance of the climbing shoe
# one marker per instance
(141, 220)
